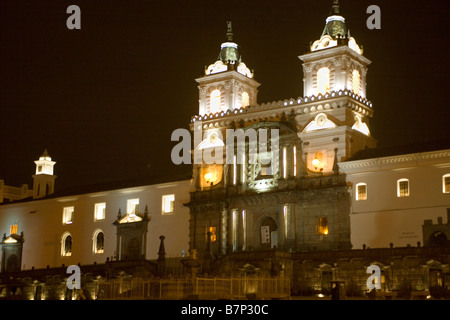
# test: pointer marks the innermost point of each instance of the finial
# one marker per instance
(335, 8)
(146, 211)
(45, 153)
(229, 31)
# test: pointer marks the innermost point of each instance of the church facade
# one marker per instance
(293, 188)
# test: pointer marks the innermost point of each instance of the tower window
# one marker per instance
(214, 103)
(356, 81)
(403, 188)
(68, 215)
(168, 202)
(99, 213)
(361, 191)
(323, 80)
(245, 99)
(446, 183)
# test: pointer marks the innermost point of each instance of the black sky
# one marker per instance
(105, 99)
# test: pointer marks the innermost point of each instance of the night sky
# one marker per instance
(105, 99)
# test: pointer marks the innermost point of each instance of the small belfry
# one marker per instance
(44, 179)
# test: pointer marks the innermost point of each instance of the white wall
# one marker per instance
(41, 223)
(385, 218)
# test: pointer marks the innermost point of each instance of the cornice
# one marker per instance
(305, 105)
(392, 162)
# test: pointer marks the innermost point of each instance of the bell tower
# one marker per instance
(335, 123)
(44, 179)
(335, 61)
(228, 83)
(226, 88)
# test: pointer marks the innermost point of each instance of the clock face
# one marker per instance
(321, 120)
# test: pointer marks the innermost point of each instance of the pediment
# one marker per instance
(320, 122)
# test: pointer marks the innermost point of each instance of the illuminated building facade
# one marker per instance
(332, 189)
(92, 224)
(300, 203)
(304, 194)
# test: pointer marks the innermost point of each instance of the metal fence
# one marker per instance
(186, 288)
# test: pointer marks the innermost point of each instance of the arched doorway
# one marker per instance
(438, 239)
(268, 233)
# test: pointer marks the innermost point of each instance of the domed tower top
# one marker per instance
(335, 32)
(335, 23)
(229, 57)
(229, 52)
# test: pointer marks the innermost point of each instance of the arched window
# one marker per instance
(214, 101)
(356, 81)
(323, 80)
(66, 245)
(245, 99)
(98, 241)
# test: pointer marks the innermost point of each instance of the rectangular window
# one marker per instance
(361, 191)
(168, 202)
(99, 213)
(13, 229)
(284, 163)
(68, 215)
(446, 183)
(322, 225)
(403, 188)
(133, 206)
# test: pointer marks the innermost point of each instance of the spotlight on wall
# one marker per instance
(208, 177)
(316, 163)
